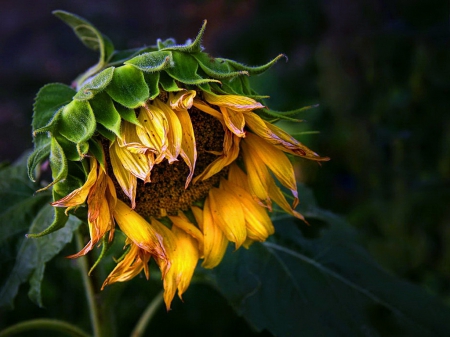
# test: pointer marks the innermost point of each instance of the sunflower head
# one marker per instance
(169, 145)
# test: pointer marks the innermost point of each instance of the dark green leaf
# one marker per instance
(105, 112)
(127, 114)
(152, 80)
(168, 83)
(327, 286)
(128, 87)
(152, 61)
(77, 122)
(58, 163)
(95, 84)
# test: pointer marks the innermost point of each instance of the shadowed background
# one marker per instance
(378, 69)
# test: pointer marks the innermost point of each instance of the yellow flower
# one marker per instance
(206, 164)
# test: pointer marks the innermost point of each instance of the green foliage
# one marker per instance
(95, 84)
(323, 285)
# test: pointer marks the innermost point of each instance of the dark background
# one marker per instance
(379, 70)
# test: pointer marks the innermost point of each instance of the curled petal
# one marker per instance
(188, 145)
(183, 223)
(234, 120)
(182, 100)
(234, 102)
(174, 131)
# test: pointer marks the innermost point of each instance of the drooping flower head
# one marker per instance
(171, 147)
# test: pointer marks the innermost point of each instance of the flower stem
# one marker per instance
(89, 289)
(44, 324)
(148, 314)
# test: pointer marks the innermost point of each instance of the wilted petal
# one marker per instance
(234, 121)
(78, 196)
(153, 133)
(279, 138)
(234, 102)
(276, 161)
(183, 223)
(139, 231)
(182, 100)
(174, 131)
(215, 242)
(227, 213)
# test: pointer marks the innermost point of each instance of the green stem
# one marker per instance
(44, 324)
(148, 314)
(89, 289)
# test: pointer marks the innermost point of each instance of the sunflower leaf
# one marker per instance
(105, 112)
(252, 70)
(215, 68)
(152, 61)
(128, 87)
(324, 286)
(188, 47)
(77, 122)
(185, 70)
(95, 84)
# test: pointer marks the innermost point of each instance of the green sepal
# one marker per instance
(215, 68)
(120, 56)
(185, 70)
(168, 83)
(58, 164)
(97, 151)
(106, 244)
(59, 220)
(91, 38)
(127, 114)
(152, 80)
(128, 87)
(49, 100)
(191, 47)
(77, 122)
(105, 112)
(69, 148)
(166, 43)
(252, 70)
(95, 84)
(286, 114)
(152, 61)
(106, 133)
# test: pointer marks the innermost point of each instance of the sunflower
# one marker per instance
(174, 149)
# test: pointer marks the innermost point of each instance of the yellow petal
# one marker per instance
(278, 137)
(139, 231)
(215, 242)
(78, 196)
(127, 181)
(183, 223)
(228, 214)
(198, 215)
(182, 100)
(257, 221)
(153, 133)
(258, 176)
(234, 120)
(277, 195)
(186, 259)
(238, 177)
(129, 267)
(234, 102)
(188, 145)
(174, 132)
(275, 160)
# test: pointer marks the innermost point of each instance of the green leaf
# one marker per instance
(215, 68)
(32, 256)
(285, 114)
(324, 286)
(49, 100)
(128, 87)
(152, 80)
(58, 164)
(152, 61)
(168, 83)
(185, 70)
(91, 38)
(188, 47)
(97, 151)
(95, 84)
(105, 112)
(127, 114)
(77, 122)
(252, 70)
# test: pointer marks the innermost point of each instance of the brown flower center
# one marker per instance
(166, 193)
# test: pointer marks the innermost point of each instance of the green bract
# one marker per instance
(69, 124)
